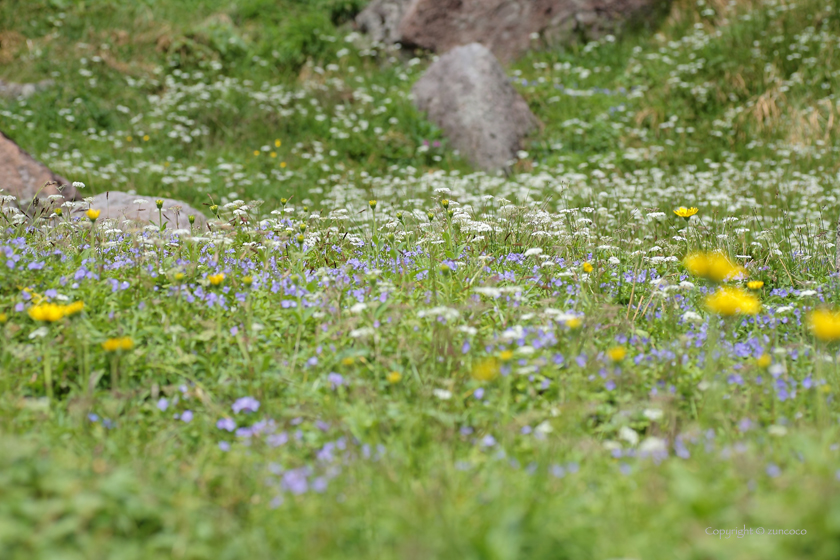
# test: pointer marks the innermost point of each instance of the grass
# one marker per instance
(476, 366)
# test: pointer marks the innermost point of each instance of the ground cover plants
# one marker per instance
(624, 348)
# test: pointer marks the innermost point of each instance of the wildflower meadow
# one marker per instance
(624, 347)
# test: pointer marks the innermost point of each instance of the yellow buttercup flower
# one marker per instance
(394, 377)
(764, 361)
(93, 214)
(47, 312)
(733, 301)
(506, 356)
(617, 353)
(755, 285)
(256, 152)
(587, 267)
(713, 266)
(3, 318)
(216, 279)
(574, 323)
(372, 204)
(825, 324)
(73, 308)
(277, 143)
(485, 370)
(686, 213)
(119, 343)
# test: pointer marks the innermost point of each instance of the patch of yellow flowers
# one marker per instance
(119, 343)
(732, 301)
(52, 312)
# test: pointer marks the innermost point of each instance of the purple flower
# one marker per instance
(335, 379)
(187, 416)
(249, 404)
(773, 470)
(488, 441)
(226, 424)
(479, 393)
(163, 404)
(224, 446)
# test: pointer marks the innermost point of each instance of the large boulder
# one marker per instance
(138, 211)
(468, 95)
(24, 177)
(506, 27)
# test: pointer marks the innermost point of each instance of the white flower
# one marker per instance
(806, 293)
(614, 260)
(78, 185)
(629, 435)
(692, 317)
(653, 445)
(776, 430)
(533, 251)
(358, 307)
(653, 414)
(442, 394)
(446, 312)
(362, 332)
(544, 428)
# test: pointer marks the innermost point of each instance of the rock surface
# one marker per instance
(12, 90)
(381, 19)
(122, 207)
(506, 27)
(23, 176)
(467, 93)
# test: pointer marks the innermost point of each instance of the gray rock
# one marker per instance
(380, 20)
(122, 207)
(12, 90)
(506, 27)
(467, 93)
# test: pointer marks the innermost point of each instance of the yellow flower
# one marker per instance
(179, 276)
(617, 353)
(574, 323)
(755, 285)
(764, 361)
(733, 301)
(485, 370)
(587, 267)
(277, 143)
(129, 139)
(348, 361)
(713, 266)
(57, 211)
(247, 280)
(273, 154)
(119, 343)
(73, 308)
(684, 212)
(283, 164)
(372, 204)
(93, 214)
(506, 356)
(145, 138)
(256, 152)
(825, 324)
(3, 318)
(216, 279)
(394, 377)
(47, 312)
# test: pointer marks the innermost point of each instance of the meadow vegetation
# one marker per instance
(623, 345)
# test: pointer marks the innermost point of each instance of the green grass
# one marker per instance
(405, 450)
